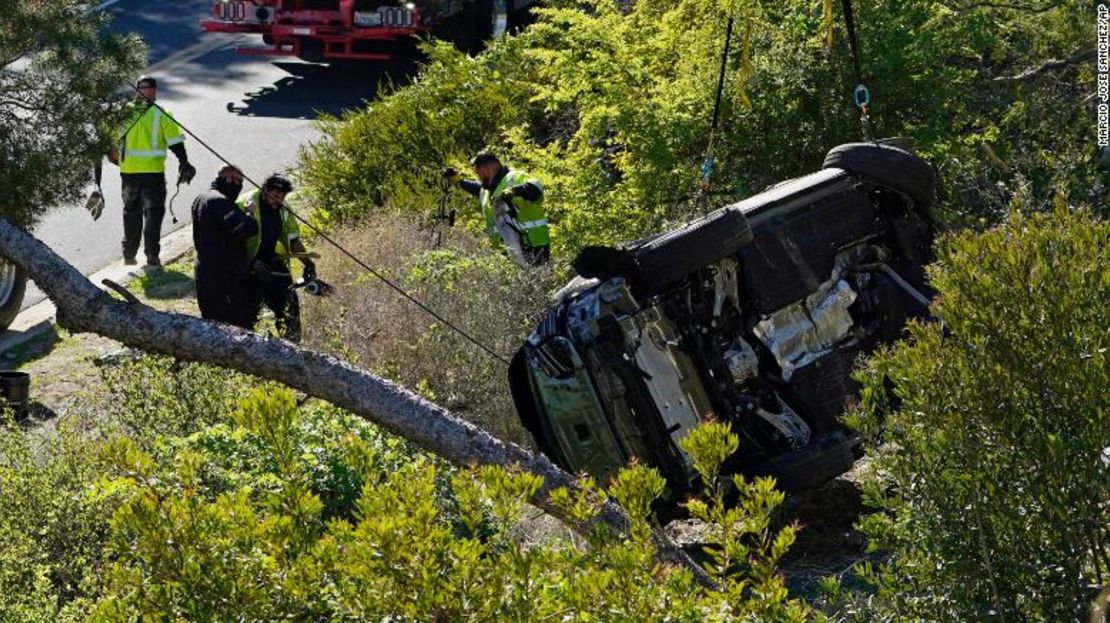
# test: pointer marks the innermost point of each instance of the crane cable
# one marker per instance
(702, 197)
(861, 96)
(387, 281)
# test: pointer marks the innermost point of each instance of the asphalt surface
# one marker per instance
(256, 111)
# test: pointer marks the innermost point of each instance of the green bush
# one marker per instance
(279, 510)
(52, 527)
(181, 552)
(149, 398)
(996, 494)
(609, 103)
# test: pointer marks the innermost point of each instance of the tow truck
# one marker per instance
(367, 30)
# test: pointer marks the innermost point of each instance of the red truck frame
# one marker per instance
(372, 30)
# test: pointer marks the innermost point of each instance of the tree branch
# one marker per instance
(1050, 65)
(83, 307)
(1013, 6)
(22, 105)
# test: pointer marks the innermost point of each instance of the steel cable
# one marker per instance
(387, 281)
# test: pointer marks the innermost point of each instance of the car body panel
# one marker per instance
(577, 420)
(669, 374)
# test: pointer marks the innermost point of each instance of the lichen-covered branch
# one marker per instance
(82, 307)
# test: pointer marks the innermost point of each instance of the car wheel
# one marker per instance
(668, 258)
(889, 166)
(13, 284)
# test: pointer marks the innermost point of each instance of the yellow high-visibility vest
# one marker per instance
(251, 203)
(530, 214)
(143, 148)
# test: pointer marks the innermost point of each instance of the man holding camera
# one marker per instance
(511, 203)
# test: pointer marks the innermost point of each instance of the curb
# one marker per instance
(40, 317)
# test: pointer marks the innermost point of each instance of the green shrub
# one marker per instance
(393, 154)
(610, 103)
(996, 503)
(52, 527)
(185, 551)
(150, 397)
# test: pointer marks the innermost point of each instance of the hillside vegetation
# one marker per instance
(182, 492)
(610, 104)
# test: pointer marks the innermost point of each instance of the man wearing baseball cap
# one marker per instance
(141, 156)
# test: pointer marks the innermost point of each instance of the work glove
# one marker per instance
(185, 173)
(451, 175)
(507, 196)
(95, 203)
(261, 270)
(309, 271)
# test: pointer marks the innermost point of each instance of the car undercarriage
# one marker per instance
(754, 315)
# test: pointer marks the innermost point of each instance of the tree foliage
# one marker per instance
(998, 498)
(610, 104)
(269, 509)
(59, 101)
(185, 551)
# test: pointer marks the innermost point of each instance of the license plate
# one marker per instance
(368, 18)
(392, 16)
(242, 11)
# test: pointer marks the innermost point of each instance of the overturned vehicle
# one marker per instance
(754, 315)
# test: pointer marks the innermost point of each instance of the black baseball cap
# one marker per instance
(486, 157)
(279, 182)
(146, 81)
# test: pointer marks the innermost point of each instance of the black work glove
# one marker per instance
(261, 270)
(507, 196)
(185, 173)
(450, 174)
(95, 203)
(309, 271)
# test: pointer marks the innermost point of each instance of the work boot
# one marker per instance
(153, 263)
(130, 260)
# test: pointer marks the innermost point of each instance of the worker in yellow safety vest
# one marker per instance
(277, 240)
(141, 156)
(511, 203)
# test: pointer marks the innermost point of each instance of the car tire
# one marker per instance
(13, 285)
(889, 166)
(664, 260)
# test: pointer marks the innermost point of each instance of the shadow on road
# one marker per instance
(312, 90)
(164, 31)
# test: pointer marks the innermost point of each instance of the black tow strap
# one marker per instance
(861, 96)
(701, 198)
(850, 22)
(721, 76)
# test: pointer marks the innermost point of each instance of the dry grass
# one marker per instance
(474, 288)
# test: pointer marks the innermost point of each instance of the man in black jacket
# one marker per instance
(220, 233)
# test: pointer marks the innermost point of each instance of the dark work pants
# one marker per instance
(144, 199)
(225, 298)
(276, 294)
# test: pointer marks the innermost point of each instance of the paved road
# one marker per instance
(256, 111)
